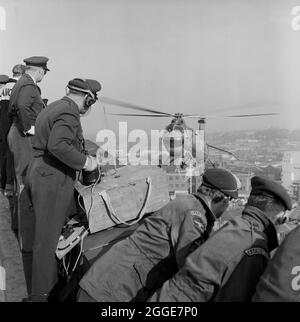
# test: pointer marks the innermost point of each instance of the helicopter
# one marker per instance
(187, 148)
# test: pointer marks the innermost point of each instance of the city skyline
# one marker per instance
(237, 56)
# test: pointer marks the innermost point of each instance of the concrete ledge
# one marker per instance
(10, 258)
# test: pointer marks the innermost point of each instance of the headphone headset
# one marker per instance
(89, 99)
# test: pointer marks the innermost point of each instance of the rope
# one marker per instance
(112, 212)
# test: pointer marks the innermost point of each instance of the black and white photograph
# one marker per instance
(149, 154)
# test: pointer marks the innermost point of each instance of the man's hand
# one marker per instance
(103, 157)
(90, 163)
(31, 131)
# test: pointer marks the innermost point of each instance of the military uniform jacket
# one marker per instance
(25, 103)
(209, 267)
(58, 136)
(5, 121)
(136, 266)
(5, 91)
(281, 279)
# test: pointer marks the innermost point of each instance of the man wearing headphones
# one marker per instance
(58, 153)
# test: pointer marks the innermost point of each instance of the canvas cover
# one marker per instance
(124, 196)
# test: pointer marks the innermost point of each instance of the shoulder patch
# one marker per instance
(256, 251)
(199, 219)
(194, 212)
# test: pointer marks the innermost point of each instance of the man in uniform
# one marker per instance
(7, 181)
(58, 154)
(136, 266)
(4, 127)
(281, 280)
(228, 265)
(25, 105)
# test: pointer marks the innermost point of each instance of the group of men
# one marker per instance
(47, 148)
(173, 255)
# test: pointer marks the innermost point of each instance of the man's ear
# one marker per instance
(281, 217)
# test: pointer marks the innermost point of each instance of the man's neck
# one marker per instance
(206, 199)
(74, 99)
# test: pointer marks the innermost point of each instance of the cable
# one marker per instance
(89, 186)
(64, 265)
(92, 190)
(81, 238)
(80, 205)
(78, 257)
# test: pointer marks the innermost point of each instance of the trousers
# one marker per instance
(22, 152)
(51, 193)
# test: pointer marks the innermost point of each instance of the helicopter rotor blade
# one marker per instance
(190, 115)
(228, 152)
(251, 115)
(239, 115)
(147, 115)
(201, 116)
(112, 101)
(253, 105)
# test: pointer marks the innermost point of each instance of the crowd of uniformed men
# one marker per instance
(173, 255)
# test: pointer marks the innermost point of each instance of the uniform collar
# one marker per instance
(201, 196)
(262, 223)
(72, 103)
(209, 215)
(30, 77)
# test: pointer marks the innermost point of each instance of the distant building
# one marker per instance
(273, 173)
(290, 168)
(295, 215)
(295, 191)
(179, 182)
(245, 179)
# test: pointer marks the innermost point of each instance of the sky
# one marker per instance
(209, 57)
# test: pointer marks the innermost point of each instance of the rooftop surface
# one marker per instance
(10, 258)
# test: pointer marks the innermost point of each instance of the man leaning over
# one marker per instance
(135, 267)
(228, 265)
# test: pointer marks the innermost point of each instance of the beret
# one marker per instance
(265, 186)
(38, 61)
(221, 179)
(85, 86)
(18, 69)
(4, 79)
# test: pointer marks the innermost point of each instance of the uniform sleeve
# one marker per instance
(195, 282)
(205, 269)
(280, 281)
(249, 271)
(62, 135)
(25, 102)
(187, 233)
